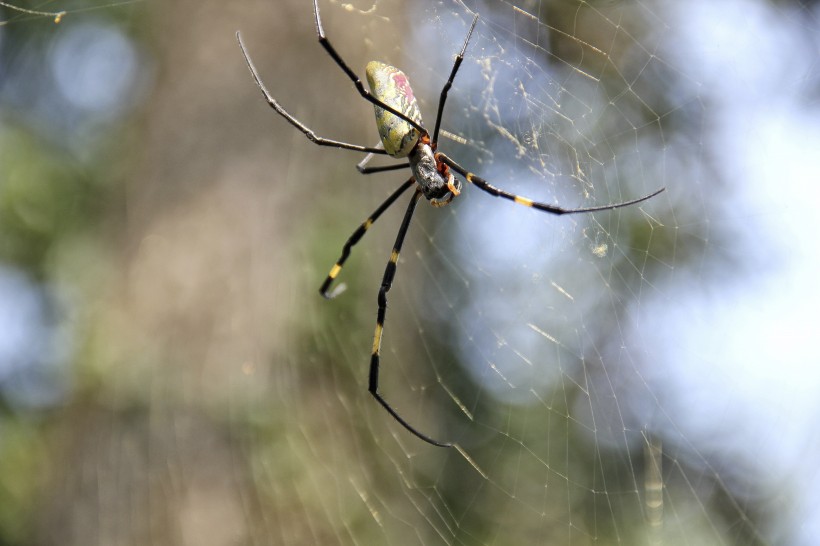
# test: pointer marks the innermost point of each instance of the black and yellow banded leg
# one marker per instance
(387, 282)
(482, 184)
(358, 234)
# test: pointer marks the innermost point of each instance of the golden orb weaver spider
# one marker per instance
(398, 120)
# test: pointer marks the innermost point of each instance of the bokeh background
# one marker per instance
(170, 375)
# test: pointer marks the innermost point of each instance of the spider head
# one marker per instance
(437, 183)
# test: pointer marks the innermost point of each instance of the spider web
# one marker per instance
(638, 376)
(550, 348)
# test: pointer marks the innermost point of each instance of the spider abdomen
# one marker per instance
(391, 86)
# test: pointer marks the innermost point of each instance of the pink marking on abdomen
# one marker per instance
(400, 80)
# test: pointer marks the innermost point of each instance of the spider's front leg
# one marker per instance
(483, 185)
(354, 238)
(387, 282)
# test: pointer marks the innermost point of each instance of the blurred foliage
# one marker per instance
(52, 231)
(46, 198)
(24, 471)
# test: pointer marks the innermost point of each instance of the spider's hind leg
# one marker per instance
(308, 132)
(357, 82)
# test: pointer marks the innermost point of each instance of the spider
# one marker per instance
(402, 136)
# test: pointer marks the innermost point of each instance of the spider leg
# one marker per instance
(355, 237)
(371, 170)
(387, 282)
(552, 209)
(320, 32)
(443, 98)
(292, 120)
(364, 169)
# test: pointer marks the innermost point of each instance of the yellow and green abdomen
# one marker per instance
(391, 86)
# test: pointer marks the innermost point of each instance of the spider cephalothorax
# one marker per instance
(402, 133)
(437, 183)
